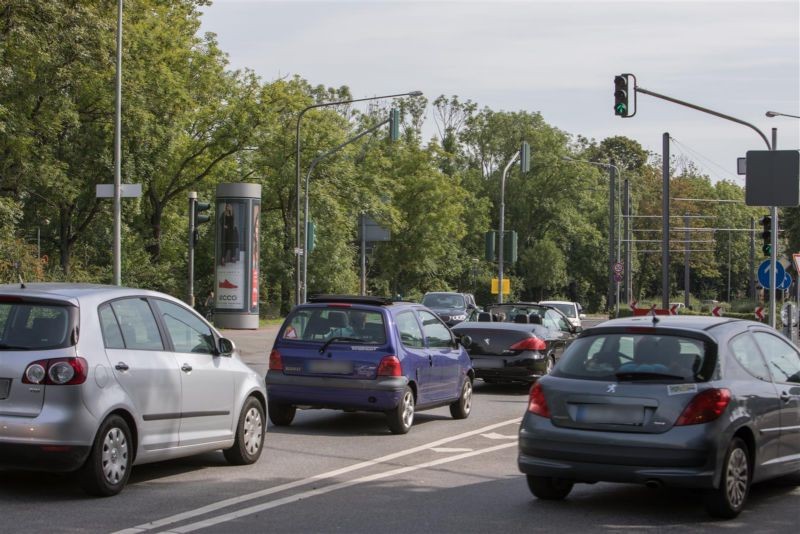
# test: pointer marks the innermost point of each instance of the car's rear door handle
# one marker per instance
(121, 366)
(186, 368)
(785, 397)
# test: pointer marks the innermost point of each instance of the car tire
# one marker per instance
(549, 488)
(729, 498)
(281, 414)
(460, 409)
(108, 467)
(401, 418)
(249, 440)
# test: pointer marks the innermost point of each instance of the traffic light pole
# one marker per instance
(502, 228)
(190, 280)
(773, 255)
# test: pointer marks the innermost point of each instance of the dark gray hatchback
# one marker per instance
(700, 402)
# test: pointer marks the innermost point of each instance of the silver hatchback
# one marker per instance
(95, 379)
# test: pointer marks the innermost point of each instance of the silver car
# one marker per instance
(694, 402)
(95, 379)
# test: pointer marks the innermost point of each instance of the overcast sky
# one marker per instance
(557, 58)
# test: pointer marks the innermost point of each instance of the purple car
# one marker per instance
(367, 354)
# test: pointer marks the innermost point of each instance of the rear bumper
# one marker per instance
(523, 368)
(58, 458)
(377, 395)
(682, 457)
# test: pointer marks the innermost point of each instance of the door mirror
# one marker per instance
(582, 316)
(465, 341)
(225, 346)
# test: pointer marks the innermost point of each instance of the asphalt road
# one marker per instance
(344, 472)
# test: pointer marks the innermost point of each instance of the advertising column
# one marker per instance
(236, 268)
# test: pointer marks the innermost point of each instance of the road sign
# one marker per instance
(786, 283)
(763, 273)
(772, 178)
(760, 313)
(618, 277)
(717, 311)
(506, 286)
(619, 268)
(796, 258)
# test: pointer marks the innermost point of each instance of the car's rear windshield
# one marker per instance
(565, 308)
(324, 323)
(444, 300)
(34, 326)
(632, 357)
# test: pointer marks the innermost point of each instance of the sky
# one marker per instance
(556, 58)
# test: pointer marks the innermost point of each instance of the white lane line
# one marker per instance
(449, 449)
(495, 435)
(189, 514)
(327, 489)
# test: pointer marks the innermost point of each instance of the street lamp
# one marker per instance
(778, 114)
(613, 171)
(298, 248)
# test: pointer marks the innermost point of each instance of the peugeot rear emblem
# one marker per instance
(612, 388)
(486, 340)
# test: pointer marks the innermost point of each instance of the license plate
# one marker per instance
(609, 414)
(488, 363)
(332, 367)
(5, 387)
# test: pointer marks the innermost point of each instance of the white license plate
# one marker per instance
(329, 367)
(610, 414)
(5, 386)
(487, 363)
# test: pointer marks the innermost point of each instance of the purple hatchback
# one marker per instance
(370, 354)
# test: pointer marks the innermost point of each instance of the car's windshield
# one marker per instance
(31, 326)
(566, 308)
(509, 313)
(444, 300)
(325, 323)
(631, 356)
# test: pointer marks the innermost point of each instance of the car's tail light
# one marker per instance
(529, 343)
(537, 404)
(389, 366)
(275, 361)
(705, 407)
(57, 372)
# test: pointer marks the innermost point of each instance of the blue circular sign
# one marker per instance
(786, 283)
(764, 274)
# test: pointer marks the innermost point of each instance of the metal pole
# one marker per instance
(39, 243)
(665, 223)
(753, 259)
(190, 281)
(686, 253)
(611, 228)
(729, 266)
(774, 253)
(627, 228)
(363, 254)
(502, 228)
(118, 155)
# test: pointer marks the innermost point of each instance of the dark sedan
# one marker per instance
(515, 342)
(693, 402)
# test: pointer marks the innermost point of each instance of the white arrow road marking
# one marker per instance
(327, 489)
(310, 480)
(495, 435)
(446, 449)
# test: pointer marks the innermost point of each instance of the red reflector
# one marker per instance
(537, 404)
(529, 343)
(705, 407)
(275, 361)
(389, 366)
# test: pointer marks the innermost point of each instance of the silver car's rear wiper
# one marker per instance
(647, 375)
(341, 338)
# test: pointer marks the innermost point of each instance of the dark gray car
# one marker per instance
(696, 402)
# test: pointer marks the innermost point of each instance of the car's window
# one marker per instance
(566, 308)
(634, 357)
(321, 324)
(409, 330)
(782, 359)
(443, 300)
(112, 335)
(552, 317)
(187, 332)
(25, 326)
(138, 326)
(436, 333)
(745, 351)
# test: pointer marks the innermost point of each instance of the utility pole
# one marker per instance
(753, 258)
(665, 223)
(686, 261)
(627, 232)
(774, 251)
(612, 181)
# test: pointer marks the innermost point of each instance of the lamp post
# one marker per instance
(301, 249)
(778, 114)
(118, 155)
(613, 172)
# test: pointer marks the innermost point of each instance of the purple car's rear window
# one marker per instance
(629, 356)
(322, 324)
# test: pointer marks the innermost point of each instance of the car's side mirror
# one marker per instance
(465, 341)
(582, 316)
(225, 346)
(577, 329)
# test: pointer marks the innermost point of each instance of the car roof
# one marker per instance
(695, 323)
(71, 290)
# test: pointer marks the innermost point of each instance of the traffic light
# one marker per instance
(394, 124)
(199, 208)
(510, 247)
(766, 235)
(491, 238)
(621, 104)
(311, 236)
(525, 157)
